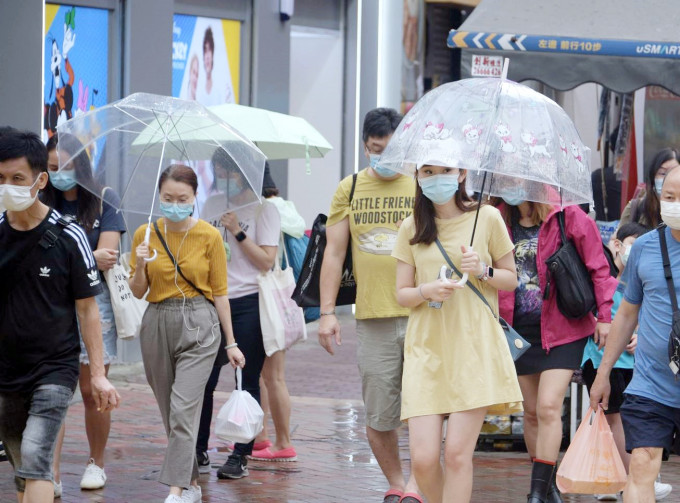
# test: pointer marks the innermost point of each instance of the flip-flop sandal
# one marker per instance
(393, 496)
(411, 498)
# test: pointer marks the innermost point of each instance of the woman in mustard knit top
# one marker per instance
(186, 287)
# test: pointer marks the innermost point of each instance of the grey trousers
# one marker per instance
(178, 362)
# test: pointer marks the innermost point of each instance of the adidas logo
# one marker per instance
(45, 272)
(94, 276)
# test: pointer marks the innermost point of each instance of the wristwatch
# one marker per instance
(240, 236)
(488, 273)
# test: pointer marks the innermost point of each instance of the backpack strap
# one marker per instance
(354, 184)
(51, 235)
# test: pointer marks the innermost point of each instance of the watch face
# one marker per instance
(490, 272)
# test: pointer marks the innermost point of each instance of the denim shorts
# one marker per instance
(29, 425)
(109, 333)
(647, 423)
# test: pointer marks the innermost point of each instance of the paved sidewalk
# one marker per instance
(335, 463)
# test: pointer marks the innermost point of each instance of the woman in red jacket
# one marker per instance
(557, 342)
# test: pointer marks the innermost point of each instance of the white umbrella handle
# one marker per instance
(147, 235)
(461, 282)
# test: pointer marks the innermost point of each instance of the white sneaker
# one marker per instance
(661, 490)
(94, 477)
(172, 498)
(607, 497)
(192, 495)
(58, 488)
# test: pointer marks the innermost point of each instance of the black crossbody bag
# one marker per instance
(518, 345)
(221, 359)
(571, 279)
(674, 338)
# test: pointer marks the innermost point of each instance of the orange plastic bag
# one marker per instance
(592, 464)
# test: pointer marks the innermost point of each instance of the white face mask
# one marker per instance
(670, 214)
(17, 197)
(625, 254)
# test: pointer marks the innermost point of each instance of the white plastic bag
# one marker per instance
(128, 310)
(241, 418)
(281, 319)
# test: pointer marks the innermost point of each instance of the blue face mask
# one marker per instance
(176, 212)
(439, 189)
(382, 171)
(513, 201)
(658, 184)
(63, 180)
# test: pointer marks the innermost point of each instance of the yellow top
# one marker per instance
(457, 358)
(378, 208)
(200, 255)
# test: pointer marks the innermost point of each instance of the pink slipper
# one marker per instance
(411, 498)
(266, 454)
(393, 496)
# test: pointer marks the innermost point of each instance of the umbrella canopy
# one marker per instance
(623, 45)
(514, 141)
(131, 141)
(277, 135)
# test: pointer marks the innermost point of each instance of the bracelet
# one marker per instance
(485, 274)
(240, 236)
(232, 345)
(420, 291)
(327, 313)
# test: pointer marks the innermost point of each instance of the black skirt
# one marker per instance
(536, 359)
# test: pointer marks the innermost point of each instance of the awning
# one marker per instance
(623, 45)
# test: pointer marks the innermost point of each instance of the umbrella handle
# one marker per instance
(461, 282)
(147, 235)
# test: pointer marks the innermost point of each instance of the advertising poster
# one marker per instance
(205, 59)
(76, 63)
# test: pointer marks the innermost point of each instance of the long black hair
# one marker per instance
(424, 213)
(89, 203)
(649, 206)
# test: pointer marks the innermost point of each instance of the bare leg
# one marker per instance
(461, 440)
(551, 390)
(97, 424)
(529, 386)
(37, 491)
(274, 374)
(264, 403)
(614, 421)
(425, 439)
(645, 463)
(57, 452)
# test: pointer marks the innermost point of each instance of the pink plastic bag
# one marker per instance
(592, 464)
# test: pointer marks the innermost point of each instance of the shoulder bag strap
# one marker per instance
(455, 269)
(560, 219)
(667, 267)
(354, 184)
(174, 262)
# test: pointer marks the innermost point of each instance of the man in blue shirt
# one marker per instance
(651, 409)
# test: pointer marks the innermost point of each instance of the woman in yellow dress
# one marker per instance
(457, 363)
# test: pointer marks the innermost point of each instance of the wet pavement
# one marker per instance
(335, 463)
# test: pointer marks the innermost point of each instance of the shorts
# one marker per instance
(109, 333)
(29, 426)
(380, 354)
(618, 379)
(647, 423)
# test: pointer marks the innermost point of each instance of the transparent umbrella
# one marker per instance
(513, 141)
(131, 141)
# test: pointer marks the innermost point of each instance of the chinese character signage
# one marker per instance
(486, 66)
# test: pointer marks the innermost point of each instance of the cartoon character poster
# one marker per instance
(76, 62)
(205, 59)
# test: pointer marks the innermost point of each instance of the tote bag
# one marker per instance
(592, 464)
(128, 310)
(281, 320)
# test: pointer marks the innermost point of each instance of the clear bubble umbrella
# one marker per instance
(513, 141)
(131, 141)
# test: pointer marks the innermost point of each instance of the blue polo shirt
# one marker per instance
(646, 286)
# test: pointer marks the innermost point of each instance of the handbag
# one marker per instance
(573, 284)
(674, 339)
(296, 248)
(306, 293)
(518, 345)
(128, 310)
(281, 319)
